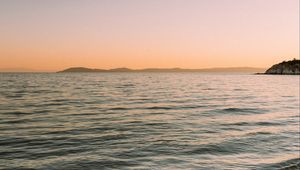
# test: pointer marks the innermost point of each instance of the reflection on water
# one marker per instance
(149, 121)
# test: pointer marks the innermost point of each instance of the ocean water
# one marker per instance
(149, 121)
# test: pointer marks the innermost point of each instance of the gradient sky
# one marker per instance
(56, 34)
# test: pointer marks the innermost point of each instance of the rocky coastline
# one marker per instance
(291, 67)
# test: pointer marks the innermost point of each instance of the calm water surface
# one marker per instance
(149, 121)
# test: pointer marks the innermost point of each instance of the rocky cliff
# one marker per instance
(287, 67)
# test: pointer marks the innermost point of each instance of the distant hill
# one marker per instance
(291, 67)
(81, 69)
(230, 69)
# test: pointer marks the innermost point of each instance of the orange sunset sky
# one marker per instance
(52, 35)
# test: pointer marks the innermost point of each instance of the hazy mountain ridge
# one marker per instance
(229, 69)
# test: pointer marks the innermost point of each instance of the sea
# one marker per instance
(149, 120)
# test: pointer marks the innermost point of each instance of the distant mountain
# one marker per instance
(291, 67)
(81, 69)
(230, 69)
(120, 70)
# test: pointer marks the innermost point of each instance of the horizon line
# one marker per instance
(29, 70)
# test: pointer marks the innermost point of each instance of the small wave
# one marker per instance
(242, 110)
(174, 107)
(209, 89)
(141, 108)
(223, 148)
(237, 124)
(238, 109)
(240, 89)
(14, 96)
(16, 113)
(258, 133)
(120, 108)
(291, 164)
(17, 168)
(13, 121)
(125, 86)
(252, 124)
(43, 91)
(267, 123)
(157, 108)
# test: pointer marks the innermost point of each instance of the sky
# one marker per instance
(51, 35)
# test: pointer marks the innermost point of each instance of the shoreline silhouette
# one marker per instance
(291, 67)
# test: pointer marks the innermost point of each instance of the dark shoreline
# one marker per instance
(276, 74)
